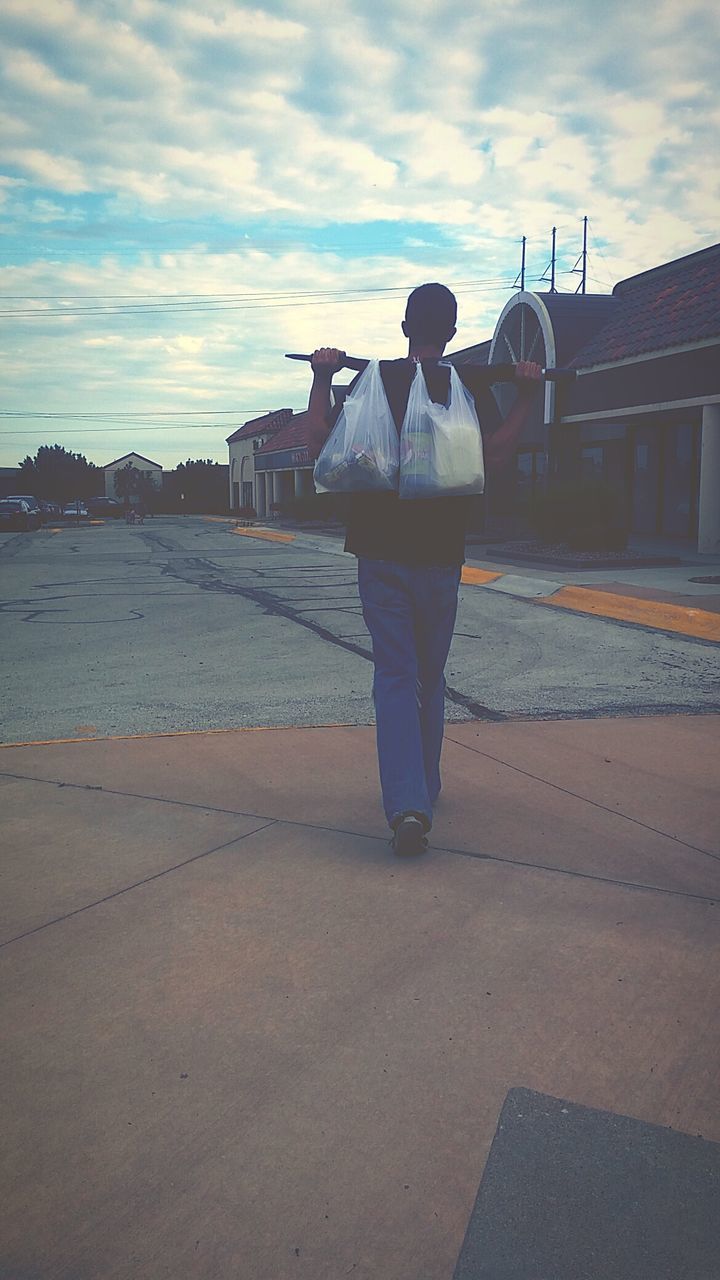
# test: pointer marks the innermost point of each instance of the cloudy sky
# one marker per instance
(190, 190)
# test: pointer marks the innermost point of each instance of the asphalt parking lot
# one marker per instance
(179, 625)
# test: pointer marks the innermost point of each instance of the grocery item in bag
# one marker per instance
(441, 453)
(362, 452)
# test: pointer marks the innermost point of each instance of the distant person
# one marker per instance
(410, 555)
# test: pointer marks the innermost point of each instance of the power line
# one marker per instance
(237, 296)
(111, 416)
(146, 428)
(216, 303)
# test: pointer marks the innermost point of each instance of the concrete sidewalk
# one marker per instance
(242, 1040)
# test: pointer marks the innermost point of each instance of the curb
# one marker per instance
(697, 624)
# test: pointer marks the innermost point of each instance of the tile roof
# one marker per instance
(292, 435)
(259, 426)
(674, 305)
(576, 318)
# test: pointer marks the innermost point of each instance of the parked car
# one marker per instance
(50, 510)
(16, 514)
(105, 507)
(29, 500)
(75, 510)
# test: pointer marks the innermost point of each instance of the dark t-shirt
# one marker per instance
(420, 531)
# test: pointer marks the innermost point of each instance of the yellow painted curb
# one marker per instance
(698, 623)
(478, 577)
(179, 733)
(264, 533)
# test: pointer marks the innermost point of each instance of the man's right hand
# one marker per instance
(327, 361)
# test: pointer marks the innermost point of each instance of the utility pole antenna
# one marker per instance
(552, 265)
(521, 274)
(583, 258)
(552, 276)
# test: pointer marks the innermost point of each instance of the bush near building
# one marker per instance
(586, 517)
(323, 507)
(196, 487)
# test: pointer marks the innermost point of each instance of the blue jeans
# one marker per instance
(409, 611)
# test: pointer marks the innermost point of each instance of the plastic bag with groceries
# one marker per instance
(362, 452)
(441, 453)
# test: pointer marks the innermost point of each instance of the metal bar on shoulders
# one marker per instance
(482, 372)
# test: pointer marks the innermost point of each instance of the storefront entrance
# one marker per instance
(655, 465)
(665, 471)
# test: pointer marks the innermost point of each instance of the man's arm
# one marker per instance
(500, 447)
(325, 363)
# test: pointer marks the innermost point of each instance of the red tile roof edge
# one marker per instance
(292, 435)
(272, 421)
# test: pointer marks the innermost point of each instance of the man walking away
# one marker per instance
(410, 555)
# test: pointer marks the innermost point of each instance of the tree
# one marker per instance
(127, 482)
(204, 485)
(59, 476)
(147, 489)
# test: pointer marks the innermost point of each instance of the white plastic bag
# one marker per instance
(441, 453)
(362, 452)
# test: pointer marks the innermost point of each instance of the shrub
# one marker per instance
(587, 517)
(314, 506)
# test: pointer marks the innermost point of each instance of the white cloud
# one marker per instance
(484, 123)
(28, 72)
(59, 173)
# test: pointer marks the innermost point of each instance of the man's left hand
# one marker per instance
(528, 377)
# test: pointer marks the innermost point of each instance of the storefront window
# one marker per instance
(530, 469)
(592, 463)
(665, 479)
(646, 476)
(679, 483)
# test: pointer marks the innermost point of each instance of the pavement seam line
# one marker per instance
(358, 835)
(585, 799)
(579, 875)
(137, 884)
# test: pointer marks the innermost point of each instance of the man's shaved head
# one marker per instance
(430, 314)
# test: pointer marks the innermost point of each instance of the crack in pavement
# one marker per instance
(267, 821)
(204, 575)
(136, 884)
(617, 813)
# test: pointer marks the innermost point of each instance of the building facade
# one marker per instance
(151, 471)
(640, 413)
(644, 411)
(245, 489)
(271, 461)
